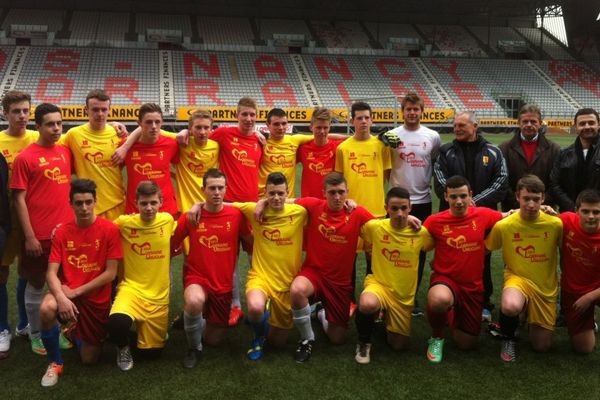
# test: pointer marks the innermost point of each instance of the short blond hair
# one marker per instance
(200, 114)
(246, 101)
(321, 113)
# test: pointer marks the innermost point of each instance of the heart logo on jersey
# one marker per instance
(240, 154)
(142, 169)
(197, 169)
(526, 252)
(316, 167)
(408, 157)
(209, 241)
(391, 255)
(141, 249)
(52, 174)
(94, 157)
(77, 261)
(273, 235)
(280, 159)
(575, 251)
(326, 230)
(457, 242)
(359, 168)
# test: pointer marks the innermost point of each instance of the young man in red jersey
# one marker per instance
(208, 268)
(82, 264)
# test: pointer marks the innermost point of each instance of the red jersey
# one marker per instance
(459, 244)
(152, 162)
(580, 260)
(45, 174)
(213, 247)
(239, 158)
(331, 238)
(83, 252)
(317, 162)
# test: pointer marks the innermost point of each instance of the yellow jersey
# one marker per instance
(194, 161)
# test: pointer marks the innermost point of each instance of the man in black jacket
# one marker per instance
(482, 163)
(577, 166)
(528, 152)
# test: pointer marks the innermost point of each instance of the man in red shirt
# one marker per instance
(580, 265)
(455, 296)
(318, 155)
(208, 268)
(41, 172)
(82, 264)
(150, 159)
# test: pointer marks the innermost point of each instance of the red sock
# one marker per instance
(438, 321)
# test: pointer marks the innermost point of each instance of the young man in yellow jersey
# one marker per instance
(276, 259)
(529, 240)
(143, 293)
(392, 285)
(16, 107)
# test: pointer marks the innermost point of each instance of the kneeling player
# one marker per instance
(143, 293)
(208, 268)
(529, 240)
(580, 280)
(392, 285)
(82, 264)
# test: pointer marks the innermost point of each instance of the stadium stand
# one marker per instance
(452, 39)
(551, 47)
(52, 18)
(496, 33)
(267, 27)
(341, 34)
(225, 30)
(576, 78)
(163, 21)
(382, 32)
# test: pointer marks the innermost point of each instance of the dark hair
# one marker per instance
(276, 178)
(532, 183)
(360, 106)
(82, 186)
(456, 181)
(412, 97)
(43, 109)
(334, 179)
(275, 112)
(530, 108)
(149, 108)
(97, 94)
(147, 188)
(14, 96)
(586, 111)
(213, 173)
(398, 192)
(590, 196)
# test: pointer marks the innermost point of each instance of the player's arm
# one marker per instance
(440, 175)
(67, 311)
(120, 128)
(33, 248)
(181, 232)
(586, 301)
(107, 276)
(120, 153)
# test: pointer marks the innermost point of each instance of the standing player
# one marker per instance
(529, 241)
(326, 275)
(13, 140)
(82, 264)
(580, 265)
(143, 293)
(208, 268)
(412, 164)
(151, 158)
(93, 145)
(318, 155)
(276, 259)
(42, 171)
(393, 283)
(455, 297)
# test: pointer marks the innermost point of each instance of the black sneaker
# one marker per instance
(191, 358)
(303, 351)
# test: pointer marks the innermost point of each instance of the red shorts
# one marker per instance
(468, 305)
(576, 323)
(91, 326)
(30, 267)
(336, 298)
(216, 305)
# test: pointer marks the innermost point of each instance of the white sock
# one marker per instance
(33, 300)
(302, 322)
(323, 319)
(194, 329)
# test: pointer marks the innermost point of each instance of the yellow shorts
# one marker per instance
(12, 249)
(397, 315)
(540, 310)
(281, 303)
(114, 212)
(151, 320)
